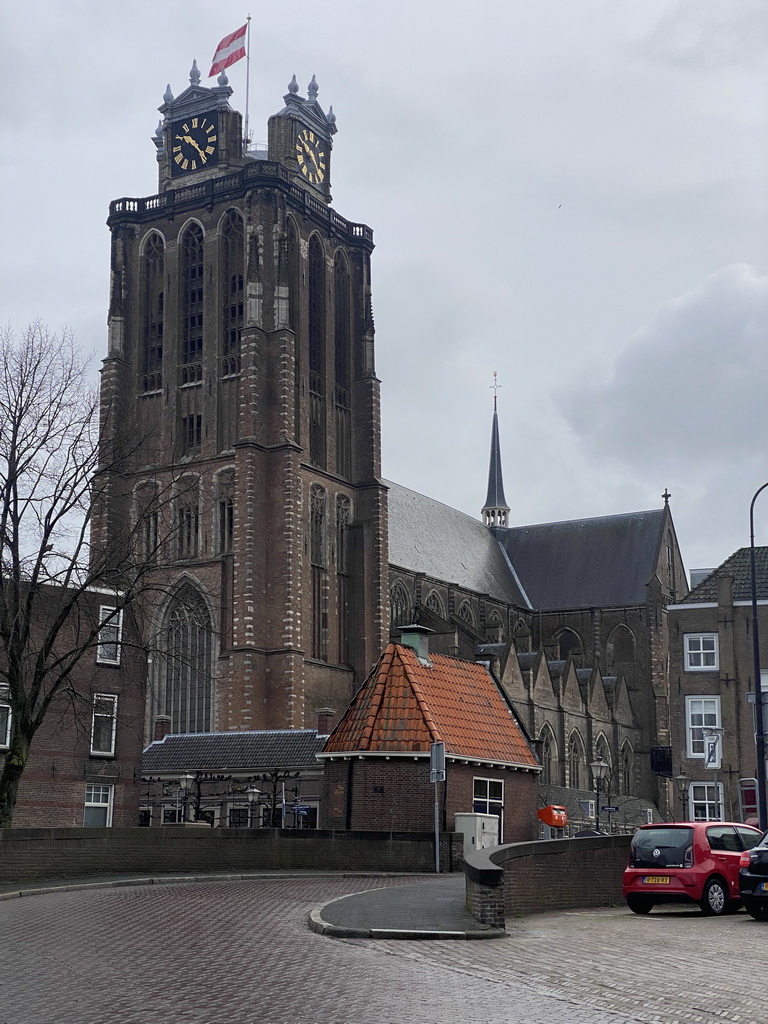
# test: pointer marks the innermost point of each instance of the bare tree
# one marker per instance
(57, 463)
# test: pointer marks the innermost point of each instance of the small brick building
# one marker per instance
(377, 760)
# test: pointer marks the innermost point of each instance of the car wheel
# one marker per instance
(639, 904)
(715, 899)
(757, 910)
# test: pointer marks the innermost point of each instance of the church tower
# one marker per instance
(495, 512)
(240, 383)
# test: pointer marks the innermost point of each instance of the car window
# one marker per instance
(661, 847)
(748, 837)
(723, 837)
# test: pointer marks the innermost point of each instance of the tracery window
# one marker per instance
(188, 518)
(148, 521)
(400, 606)
(568, 642)
(625, 773)
(577, 776)
(188, 649)
(316, 352)
(232, 284)
(434, 603)
(343, 519)
(342, 365)
(191, 362)
(318, 556)
(465, 613)
(549, 775)
(225, 494)
(152, 302)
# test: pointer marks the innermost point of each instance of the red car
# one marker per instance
(687, 862)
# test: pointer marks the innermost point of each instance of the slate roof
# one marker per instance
(405, 705)
(234, 751)
(495, 497)
(427, 536)
(738, 567)
(604, 562)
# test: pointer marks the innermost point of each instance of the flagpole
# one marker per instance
(247, 80)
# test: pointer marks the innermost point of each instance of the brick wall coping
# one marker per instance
(486, 867)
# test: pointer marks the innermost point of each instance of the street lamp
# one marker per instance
(185, 782)
(599, 771)
(762, 816)
(253, 795)
(681, 781)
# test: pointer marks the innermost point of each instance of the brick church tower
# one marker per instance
(240, 380)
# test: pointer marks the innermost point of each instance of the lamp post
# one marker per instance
(253, 795)
(681, 782)
(759, 720)
(599, 771)
(185, 782)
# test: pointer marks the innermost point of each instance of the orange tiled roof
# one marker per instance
(405, 705)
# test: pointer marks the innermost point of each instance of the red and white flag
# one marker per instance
(230, 49)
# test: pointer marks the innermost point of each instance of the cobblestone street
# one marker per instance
(239, 952)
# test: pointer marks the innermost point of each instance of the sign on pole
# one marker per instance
(437, 774)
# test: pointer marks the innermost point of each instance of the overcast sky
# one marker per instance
(569, 192)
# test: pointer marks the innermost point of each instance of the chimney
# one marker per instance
(417, 637)
(326, 720)
(162, 727)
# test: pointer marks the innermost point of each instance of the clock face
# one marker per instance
(310, 153)
(194, 143)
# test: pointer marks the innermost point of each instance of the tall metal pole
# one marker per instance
(762, 816)
(597, 805)
(247, 82)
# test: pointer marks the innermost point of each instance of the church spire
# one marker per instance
(495, 511)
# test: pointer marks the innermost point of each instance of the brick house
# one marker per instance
(85, 760)
(377, 760)
(712, 674)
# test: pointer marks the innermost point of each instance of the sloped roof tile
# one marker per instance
(405, 705)
(738, 566)
(233, 751)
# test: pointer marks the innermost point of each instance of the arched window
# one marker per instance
(152, 304)
(603, 753)
(316, 352)
(494, 627)
(549, 767)
(568, 642)
(188, 649)
(191, 362)
(626, 765)
(343, 519)
(400, 606)
(342, 365)
(292, 256)
(318, 556)
(148, 521)
(434, 603)
(465, 612)
(620, 649)
(232, 311)
(188, 518)
(225, 502)
(577, 775)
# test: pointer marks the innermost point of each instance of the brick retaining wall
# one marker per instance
(29, 854)
(557, 874)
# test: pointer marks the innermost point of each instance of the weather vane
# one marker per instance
(495, 387)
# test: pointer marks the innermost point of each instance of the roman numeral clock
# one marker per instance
(194, 143)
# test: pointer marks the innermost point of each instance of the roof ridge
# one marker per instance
(377, 696)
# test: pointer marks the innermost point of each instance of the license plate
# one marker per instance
(763, 887)
(656, 879)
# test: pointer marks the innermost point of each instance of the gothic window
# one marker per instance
(465, 613)
(577, 775)
(342, 367)
(568, 642)
(343, 518)
(621, 648)
(603, 753)
(191, 363)
(316, 352)
(188, 647)
(549, 774)
(434, 603)
(225, 494)
(233, 291)
(625, 770)
(188, 518)
(400, 606)
(232, 284)
(152, 301)
(494, 628)
(292, 247)
(318, 556)
(148, 522)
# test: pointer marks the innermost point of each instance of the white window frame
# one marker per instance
(99, 796)
(694, 731)
(697, 652)
(5, 726)
(493, 805)
(104, 707)
(110, 635)
(707, 795)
